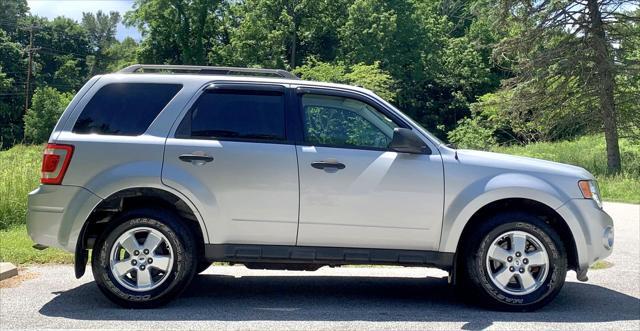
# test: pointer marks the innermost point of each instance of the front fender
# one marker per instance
(482, 192)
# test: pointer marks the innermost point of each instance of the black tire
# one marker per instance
(475, 276)
(184, 262)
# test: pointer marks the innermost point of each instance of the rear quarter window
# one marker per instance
(125, 109)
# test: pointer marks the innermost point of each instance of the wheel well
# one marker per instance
(541, 210)
(132, 198)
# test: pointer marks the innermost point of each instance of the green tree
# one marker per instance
(369, 31)
(472, 134)
(47, 106)
(627, 94)
(12, 16)
(101, 30)
(437, 69)
(58, 41)
(12, 68)
(368, 76)
(59, 61)
(282, 33)
(11, 12)
(372, 77)
(68, 75)
(122, 54)
(561, 52)
(322, 71)
(175, 31)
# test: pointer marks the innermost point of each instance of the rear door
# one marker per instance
(354, 191)
(232, 156)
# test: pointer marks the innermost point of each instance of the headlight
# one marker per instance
(590, 190)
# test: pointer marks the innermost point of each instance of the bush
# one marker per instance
(369, 76)
(47, 106)
(470, 133)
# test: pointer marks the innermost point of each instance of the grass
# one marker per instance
(602, 264)
(20, 173)
(589, 152)
(15, 247)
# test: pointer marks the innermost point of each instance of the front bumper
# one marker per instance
(592, 230)
(56, 214)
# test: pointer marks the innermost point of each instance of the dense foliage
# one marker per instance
(47, 106)
(65, 55)
(476, 72)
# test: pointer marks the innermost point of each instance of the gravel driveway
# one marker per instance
(334, 298)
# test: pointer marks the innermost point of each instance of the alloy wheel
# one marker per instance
(141, 259)
(517, 263)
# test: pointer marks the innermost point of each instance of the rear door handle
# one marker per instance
(196, 158)
(328, 165)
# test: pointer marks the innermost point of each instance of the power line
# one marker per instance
(62, 52)
(45, 51)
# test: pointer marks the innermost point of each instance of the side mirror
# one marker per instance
(407, 141)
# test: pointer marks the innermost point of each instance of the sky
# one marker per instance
(73, 9)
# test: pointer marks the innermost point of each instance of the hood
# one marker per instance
(521, 164)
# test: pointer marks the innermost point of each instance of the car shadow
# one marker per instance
(326, 298)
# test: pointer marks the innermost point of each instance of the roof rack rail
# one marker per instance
(206, 70)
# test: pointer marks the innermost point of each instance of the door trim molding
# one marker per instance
(278, 254)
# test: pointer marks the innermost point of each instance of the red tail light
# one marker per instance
(55, 161)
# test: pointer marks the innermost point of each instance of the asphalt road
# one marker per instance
(339, 298)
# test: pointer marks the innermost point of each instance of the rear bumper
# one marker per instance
(592, 230)
(56, 214)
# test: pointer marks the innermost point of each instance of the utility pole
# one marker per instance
(30, 50)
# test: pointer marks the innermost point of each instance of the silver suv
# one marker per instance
(161, 170)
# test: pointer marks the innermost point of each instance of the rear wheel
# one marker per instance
(515, 261)
(146, 258)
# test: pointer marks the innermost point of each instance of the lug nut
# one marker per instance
(136, 252)
(509, 259)
(134, 262)
(146, 251)
(521, 270)
(518, 254)
(525, 260)
(512, 269)
(142, 267)
(149, 260)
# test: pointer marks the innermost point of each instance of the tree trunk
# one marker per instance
(605, 85)
(291, 9)
(294, 41)
(198, 38)
(183, 35)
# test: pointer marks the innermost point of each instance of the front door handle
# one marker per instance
(196, 158)
(329, 164)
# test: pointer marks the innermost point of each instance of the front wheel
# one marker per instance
(515, 261)
(146, 258)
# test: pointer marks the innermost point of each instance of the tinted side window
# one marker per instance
(125, 109)
(250, 115)
(344, 122)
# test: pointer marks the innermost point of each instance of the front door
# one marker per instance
(354, 192)
(230, 155)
